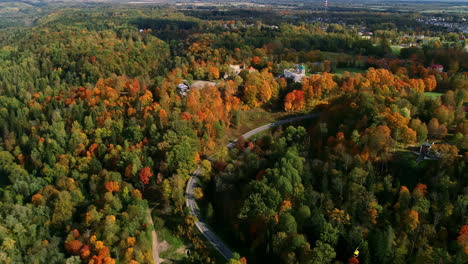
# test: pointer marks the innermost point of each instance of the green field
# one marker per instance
(433, 94)
(459, 11)
(248, 120)
(173, 248)
(396, 49)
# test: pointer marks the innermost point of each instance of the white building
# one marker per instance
(295, 74)
(233, 70)
(183, 89)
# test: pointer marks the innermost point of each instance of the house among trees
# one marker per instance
(183, 89)
(426, 153)
(234, 70)
(295, 74)
(366, 35)
(437, 67)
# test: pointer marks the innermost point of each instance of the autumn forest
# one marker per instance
(108, 112)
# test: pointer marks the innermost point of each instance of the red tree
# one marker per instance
(145, 174)
(294, 100)
(73, 246)
(463, 238)
(353, 260)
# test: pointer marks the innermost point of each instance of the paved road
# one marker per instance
(190, 202)
(270, 125)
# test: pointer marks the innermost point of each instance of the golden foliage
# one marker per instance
(412, 219)
(37, 199)
(131, 241)
(73, 246)
(112, 186)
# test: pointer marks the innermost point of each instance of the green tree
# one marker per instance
(322, 253)
(287, 223)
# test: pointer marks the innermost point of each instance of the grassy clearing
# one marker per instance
(334, 56)
(174, 243)
(165, 234)
(331, 54)
(459, 9)
(171, 247)
(396, 49)
(433, 95)
(340, 71)
(249, 120)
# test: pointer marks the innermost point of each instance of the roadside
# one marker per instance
(191, 203)
(248, 120)
(172, 249)
(155, 245)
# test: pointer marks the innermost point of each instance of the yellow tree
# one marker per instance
(412, 219)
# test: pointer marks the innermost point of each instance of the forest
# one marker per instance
(98, 139)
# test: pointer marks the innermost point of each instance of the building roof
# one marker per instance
(182, 86)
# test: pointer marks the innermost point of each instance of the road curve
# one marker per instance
(191, 204)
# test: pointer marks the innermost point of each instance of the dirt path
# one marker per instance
(155, 246)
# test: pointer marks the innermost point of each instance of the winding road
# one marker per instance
(190, 202)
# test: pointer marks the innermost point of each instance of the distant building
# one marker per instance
(427, 153)
(366, 34)
(424, 151)
(270, 26)
(425, 147)
(295, 74)
(437, 67)
(233, 70)
(236, 69)
(252, 69)
(183, 89)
